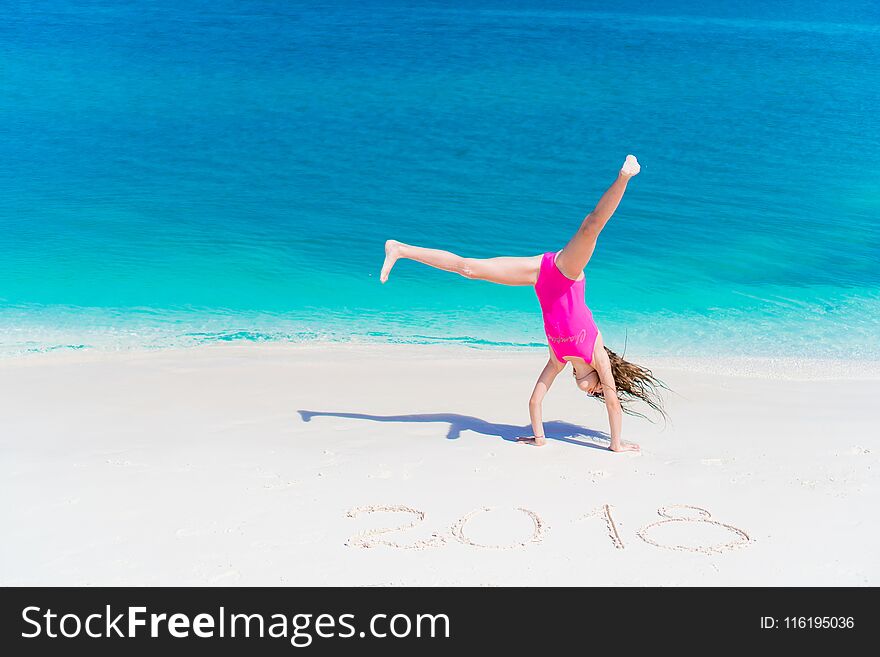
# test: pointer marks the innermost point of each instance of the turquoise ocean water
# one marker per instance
(183, 173)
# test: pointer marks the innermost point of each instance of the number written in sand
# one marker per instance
(368, 538)
(605, 512)
(680, 514)
(676, 515)
(536, 537)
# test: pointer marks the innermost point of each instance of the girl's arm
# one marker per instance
(548, 375)
(612, 403)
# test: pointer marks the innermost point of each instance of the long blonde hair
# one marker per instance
(635, 383)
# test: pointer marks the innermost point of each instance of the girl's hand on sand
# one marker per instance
(625, 447)
(531, 440)
(630, 167)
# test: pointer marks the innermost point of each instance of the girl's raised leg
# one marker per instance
(577, 253)
(504, 270)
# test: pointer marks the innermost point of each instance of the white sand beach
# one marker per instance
(283, 465)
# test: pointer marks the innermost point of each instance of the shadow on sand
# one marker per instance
(561, 431)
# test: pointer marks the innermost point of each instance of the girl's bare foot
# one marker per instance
(630, 167)
(625, 447)
(532, 440)
(392, 253)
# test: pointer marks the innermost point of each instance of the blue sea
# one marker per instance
(186, 173)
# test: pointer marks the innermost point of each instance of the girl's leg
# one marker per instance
(506, 271)
(577, 253)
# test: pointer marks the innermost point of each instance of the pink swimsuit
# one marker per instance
(568, 322)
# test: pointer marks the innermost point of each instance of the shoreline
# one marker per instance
(783, 368)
